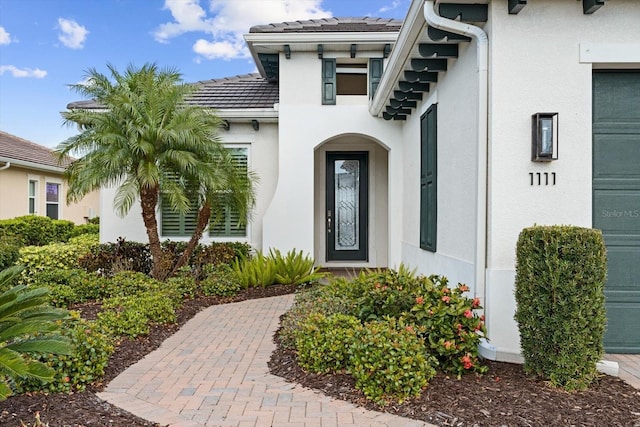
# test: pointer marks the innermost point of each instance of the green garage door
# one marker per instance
(616, 201)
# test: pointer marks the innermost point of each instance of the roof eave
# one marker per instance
(268, 115)
(32, 165)
(413, 26)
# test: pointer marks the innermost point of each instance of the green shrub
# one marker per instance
(9, 251)
(219, 281)
(323, 342)
(27, 327)
(184, 283)
(110, 258)
(560, 277)
(257, 271)
(62, 229)
(339, 296)
(55, 255)
(95, 220)
(131, 315)
(85, 229)
(129, 323)
(449, 325)
(129, 283)
(34, 230)
(389, 362)
(294, 268)
(386, 293)
(92, 348)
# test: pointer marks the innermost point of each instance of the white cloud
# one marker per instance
(227, 20)
(72, 34)
(5, 37)
(24, 72)
(394, 5)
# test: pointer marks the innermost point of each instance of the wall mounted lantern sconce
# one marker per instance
(544, 139)
(255, 124)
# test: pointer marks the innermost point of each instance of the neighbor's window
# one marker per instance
(53, 200)
(33, 191)
(224, 222)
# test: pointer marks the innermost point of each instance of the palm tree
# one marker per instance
(150, 143)
(27, 325)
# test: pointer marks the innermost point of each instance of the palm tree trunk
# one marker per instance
(148, 203)
(203, 219)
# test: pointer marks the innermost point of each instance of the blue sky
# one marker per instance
(46, 45)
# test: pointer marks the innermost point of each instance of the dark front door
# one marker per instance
(616, 201)
(347, 206)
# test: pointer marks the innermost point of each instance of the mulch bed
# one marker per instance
(503, 397)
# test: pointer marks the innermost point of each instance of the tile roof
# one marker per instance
(346, 25)
(15, 148)
(243, 91)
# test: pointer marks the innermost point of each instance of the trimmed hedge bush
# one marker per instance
(560, 277)
(34, 230)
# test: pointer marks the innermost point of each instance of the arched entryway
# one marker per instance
(351, 202)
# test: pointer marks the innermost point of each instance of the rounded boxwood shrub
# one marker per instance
(560, 277)
(389, 361)
(323, 342)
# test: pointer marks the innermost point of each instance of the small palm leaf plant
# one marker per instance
(295, 268)
(27, 325)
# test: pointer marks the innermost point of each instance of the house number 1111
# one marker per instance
(542, 178)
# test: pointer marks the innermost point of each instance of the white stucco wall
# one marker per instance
(304, 125)
(456, 94)
(535, 67)
(263, 155)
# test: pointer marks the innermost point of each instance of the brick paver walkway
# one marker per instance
(213, 372)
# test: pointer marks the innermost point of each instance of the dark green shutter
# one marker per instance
(328, 81)
(375, 74)
(428, 179)
(226, 223)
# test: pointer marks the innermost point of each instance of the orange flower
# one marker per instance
(476, 302)
(463, 287)
(446, 299)
(466, 362)
(419, 300)
(468, 314)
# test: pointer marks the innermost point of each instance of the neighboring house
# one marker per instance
(380, 142)
(31, 182)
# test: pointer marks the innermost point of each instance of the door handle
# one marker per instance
(329, 221)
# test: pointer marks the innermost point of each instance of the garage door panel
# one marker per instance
(617, 211)
(623, 270)
(622, 327)
(623, 151)
(617, 97)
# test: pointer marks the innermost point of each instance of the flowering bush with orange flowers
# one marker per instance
(451, 329)
(444, 317)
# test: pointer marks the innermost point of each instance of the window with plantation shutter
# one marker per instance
(226, 222)
(175, 224)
